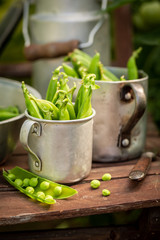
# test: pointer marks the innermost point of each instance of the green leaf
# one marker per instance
(151, 38)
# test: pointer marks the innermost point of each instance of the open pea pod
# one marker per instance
(44, 186)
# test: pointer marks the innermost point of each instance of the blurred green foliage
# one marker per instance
(146, 33)
(13, 52)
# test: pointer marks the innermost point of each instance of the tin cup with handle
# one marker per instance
(57, 149)
(119, 130)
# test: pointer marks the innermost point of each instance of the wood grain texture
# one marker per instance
(125, 195)
(16, 208)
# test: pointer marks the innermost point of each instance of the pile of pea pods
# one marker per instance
(36, 187)
(58, 103)
(83, 64)
(8, 112)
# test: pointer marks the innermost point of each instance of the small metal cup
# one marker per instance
(119, 130)
(59, 150)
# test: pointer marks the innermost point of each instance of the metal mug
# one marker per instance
(119, 129)
(59, 150)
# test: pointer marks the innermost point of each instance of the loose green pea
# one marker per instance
(18, 182)
(106, 177)
(44, 185)
(11, 176)
(57, 190)
(33, 182)
(30, 190)
(26, 182)
(48, 198)
(95, 183)
(105, 192)
(41, 195)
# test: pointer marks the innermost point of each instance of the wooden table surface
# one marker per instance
(16, 208)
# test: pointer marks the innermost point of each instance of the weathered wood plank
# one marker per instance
(101, 233)
(16, 160)
(117, 172)
(125, 195)
(19, 149)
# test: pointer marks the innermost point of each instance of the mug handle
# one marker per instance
(127, 94)
(35, 128)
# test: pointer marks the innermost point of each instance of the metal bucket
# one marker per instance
(119, 130)
(59, 150)
(86, 23)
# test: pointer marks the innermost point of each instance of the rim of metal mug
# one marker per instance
(61, 121)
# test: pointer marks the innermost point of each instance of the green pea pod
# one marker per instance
(71, 111)
(63, 82)
(52, 88)
(63, 111)
(53, 84)
(78, 55)
(4, 115)
(22, 174)
(83, 54)
(82, 70)
(12, 109)
(94, 66)
(69, 70)
(71, 92)
(60, 101)
(80, 58)
(56, 94)
(75, 66)
(85, 109)
(78, 99)
(31, 106)
(60, 97)
(89, 80)
(47, 109)
(103, 77)
(131, 65)
(79, 65)
(110, 75)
